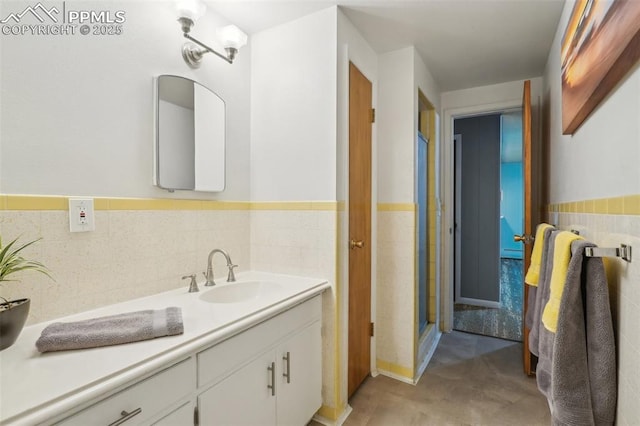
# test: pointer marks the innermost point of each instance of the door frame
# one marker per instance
(448, 194)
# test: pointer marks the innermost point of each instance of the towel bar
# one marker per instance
(624, 252)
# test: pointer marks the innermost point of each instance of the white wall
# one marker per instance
(424, 82)
(352, 47)
(401, 73)
(293, 110)
(396, 131)
(77, 111)
(601, 158)
(494, 94)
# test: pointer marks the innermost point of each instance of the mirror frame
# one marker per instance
(157, 181)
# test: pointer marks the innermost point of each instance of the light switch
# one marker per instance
(81, 216)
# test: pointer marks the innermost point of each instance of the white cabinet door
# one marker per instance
(300, 377)
(243, 398)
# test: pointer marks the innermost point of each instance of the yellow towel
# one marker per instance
(533, 273)
(561, 258)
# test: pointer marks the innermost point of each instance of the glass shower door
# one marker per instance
(423, 232)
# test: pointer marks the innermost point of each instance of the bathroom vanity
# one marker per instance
(250, 354)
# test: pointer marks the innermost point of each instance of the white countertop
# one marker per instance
(35, 387)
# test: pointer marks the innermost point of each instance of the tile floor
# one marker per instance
(504, 322)
(471, 380)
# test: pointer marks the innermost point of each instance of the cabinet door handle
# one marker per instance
(126, 416)
(287, 374)
(272, 386)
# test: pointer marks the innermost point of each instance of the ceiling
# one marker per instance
(464, 43)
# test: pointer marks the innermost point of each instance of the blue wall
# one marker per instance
(511, 184)
(511, 209)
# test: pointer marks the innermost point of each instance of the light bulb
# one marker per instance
(191, 9)
(232, 37)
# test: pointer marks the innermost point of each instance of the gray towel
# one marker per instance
(577, 366)
(111, 330)
(539, 297)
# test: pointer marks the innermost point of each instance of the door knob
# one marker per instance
(524, 238)
(356, 244)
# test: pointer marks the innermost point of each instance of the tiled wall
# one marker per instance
(396, 287)
(298, 242)
(609, 223)
(302, 241)
(132, 253)
(144, 246)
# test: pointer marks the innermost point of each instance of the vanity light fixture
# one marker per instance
(231, 37)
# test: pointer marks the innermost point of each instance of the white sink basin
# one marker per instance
(240, 292)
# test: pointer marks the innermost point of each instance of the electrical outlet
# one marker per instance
(81, 216)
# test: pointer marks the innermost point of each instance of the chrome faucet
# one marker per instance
(231, 277)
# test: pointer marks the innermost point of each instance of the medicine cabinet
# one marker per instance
(190, 136)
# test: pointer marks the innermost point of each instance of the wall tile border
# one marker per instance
(624, 205)
(48, 202)
(396, 207)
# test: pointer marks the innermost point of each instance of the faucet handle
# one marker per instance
(193, 286)
(232, 276)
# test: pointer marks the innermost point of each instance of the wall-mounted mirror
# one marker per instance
(190, 136)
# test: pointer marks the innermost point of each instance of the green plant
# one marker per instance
(12, 262)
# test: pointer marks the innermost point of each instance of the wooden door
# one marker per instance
(529, 214)
(360, 118)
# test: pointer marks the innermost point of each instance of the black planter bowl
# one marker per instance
(12, 320)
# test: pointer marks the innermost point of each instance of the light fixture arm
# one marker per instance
(197, 54)
(232, 37)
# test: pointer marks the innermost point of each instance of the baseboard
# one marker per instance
(338, 422)
(396, 376)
